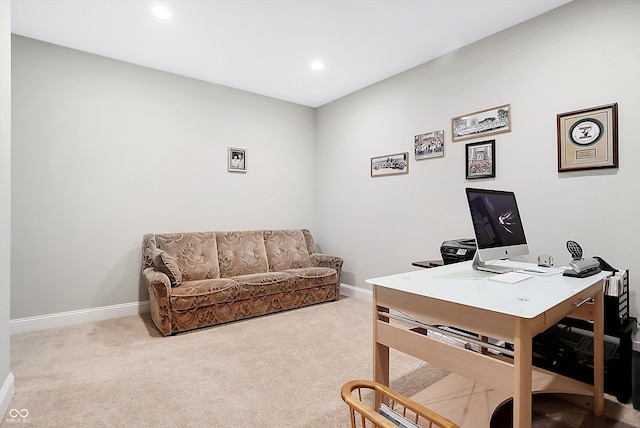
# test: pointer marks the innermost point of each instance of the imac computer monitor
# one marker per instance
(497, 226)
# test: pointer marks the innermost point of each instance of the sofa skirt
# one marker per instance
(205, 316)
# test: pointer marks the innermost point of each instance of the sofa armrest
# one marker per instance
(159, 288)
(324, 260)
(157, 281)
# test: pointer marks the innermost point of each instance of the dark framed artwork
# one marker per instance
(429, 145)
(588, 138)
(480, 159)
(237, 160)
(481, 123)
(394, 164)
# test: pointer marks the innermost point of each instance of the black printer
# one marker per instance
(458, 250)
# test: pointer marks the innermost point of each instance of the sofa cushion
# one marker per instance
(195, 294)
(195, 253)
(313, 277)
(241, 253)
(286, 249)
(168, 265)
(204, 292)
(265, 278)
(263, 284)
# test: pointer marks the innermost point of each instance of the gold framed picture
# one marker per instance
(429, 145)
(397, 163)
(588, 138)
(481, 123)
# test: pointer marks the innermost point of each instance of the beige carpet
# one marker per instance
(281, 370)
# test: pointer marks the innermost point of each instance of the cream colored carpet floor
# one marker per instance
(280, 370)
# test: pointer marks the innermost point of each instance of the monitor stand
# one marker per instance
(480, 265)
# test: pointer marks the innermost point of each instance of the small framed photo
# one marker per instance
(481, 123)
(588, 139)
(237, 160)
(480, 159)
(429, 145)
(395, 164)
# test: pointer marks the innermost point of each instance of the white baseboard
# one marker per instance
(6, 394)
(63, 319)
(356, 292)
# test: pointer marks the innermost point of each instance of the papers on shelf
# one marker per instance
(614, 285)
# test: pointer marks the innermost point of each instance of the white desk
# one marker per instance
(458, 296)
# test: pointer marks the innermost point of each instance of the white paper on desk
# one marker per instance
(541, 272)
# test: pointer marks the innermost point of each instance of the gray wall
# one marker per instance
(105, 151)
(581, 55)
(6, 379)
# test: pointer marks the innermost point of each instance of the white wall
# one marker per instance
(105, 151)
(6, 378)
(581, 55)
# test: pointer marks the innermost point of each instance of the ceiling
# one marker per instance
(267, 46)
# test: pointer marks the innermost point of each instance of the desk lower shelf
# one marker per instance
(463, 401)
(469, 403)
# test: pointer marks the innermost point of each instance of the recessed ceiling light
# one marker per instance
(317, 65)
(161, 12)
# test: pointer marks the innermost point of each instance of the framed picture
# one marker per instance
(395, 164)
(481, 123)
(237, 160)
(429, 145)
(480, 159)
(588, 138)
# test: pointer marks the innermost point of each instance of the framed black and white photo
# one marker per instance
(588, 138)
(480, 159)
(394, 164)
(429, 145)
(481, 123)
(237, 160)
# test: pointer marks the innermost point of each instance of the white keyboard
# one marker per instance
(510, 277)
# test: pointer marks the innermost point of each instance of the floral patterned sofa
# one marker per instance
(202, 279)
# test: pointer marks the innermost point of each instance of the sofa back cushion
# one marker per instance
(286, 249)
(241, 253)
(196, 254)
(149, 250)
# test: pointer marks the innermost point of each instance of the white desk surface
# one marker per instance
(459, 283)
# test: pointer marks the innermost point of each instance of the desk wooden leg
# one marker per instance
(522, 365)
(381, 363)
(380, 352)
(598, 354)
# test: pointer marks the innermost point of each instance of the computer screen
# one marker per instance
(497, 225)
